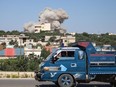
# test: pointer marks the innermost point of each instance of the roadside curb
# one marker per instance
(16, 78)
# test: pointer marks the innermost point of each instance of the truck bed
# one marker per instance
(102, 64)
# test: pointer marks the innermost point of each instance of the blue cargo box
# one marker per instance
(102, 64)
(102, 59)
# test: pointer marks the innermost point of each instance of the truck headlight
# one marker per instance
(51, 68)
(46, 68)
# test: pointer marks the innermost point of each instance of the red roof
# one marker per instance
(83, 44)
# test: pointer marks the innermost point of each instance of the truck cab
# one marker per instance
(66, 65)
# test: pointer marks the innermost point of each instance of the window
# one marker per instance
(81, 54)
(64, 55)
(37, 26)
(67, 54)
(70, 54)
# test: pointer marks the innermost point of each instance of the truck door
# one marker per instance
(70, 61)
(66, 60)
(80, 56)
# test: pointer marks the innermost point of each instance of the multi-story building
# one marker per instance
(21, 39)
(42, 27)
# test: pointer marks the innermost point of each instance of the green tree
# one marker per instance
(44, 53)
(52, 39)
(15, 32)
(13, 42)
(2, 32)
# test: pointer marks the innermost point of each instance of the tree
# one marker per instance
(52, 39)
(15, 32)
(85, 34)
(2, 32)
(15, 43)
(44, 53)
(11, 42)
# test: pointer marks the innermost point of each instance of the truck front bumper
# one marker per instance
(37, 76)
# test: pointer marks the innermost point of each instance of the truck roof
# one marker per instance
(68, 48)
(84, 45)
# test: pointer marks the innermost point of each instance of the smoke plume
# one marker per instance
(29, 27)
(54, 17)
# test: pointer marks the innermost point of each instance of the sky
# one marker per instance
(91, 16)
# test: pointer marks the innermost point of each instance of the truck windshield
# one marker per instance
(51, 55)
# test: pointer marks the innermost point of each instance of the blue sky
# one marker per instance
(91, 16)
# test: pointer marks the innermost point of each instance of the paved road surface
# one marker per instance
(33, 83)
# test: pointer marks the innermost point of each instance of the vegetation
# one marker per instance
(31, 63)
(44, 53)
(19, 64)
(14, 32)
(99, 39)
(15, 43)
(22, 63)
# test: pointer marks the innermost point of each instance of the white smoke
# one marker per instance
(56, 25)
(54, 17)
(29, 27)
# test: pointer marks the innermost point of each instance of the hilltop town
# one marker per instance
(29, 43)
(23, 43)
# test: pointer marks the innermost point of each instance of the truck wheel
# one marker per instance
(113, 84)
(66, 80)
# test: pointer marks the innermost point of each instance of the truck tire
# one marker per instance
(113, 84)
(66, 80)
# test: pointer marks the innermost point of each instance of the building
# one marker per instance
(68, 39)
(65, 39)
(107, 48)
(8, 38)
(20, 39)
(42, 27)
(34, 51)
(111, 33)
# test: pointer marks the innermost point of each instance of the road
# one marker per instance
(33, 83)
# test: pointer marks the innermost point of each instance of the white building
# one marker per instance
(42, 27)
(28, 51)
(66, 39)
(21, 39)
(107, 48)
(8, 38)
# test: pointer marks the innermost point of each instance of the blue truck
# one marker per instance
(67, 66)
